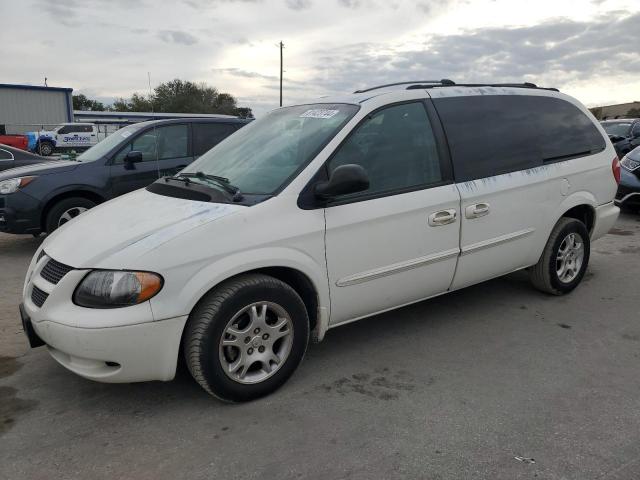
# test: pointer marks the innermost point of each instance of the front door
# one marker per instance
(165, 151)
(397, 242)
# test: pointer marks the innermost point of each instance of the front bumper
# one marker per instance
(19, 213)
(134, 353)
(107, 345)
(629, 189)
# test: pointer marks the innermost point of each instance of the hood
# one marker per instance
(39, 169)
(133, 224)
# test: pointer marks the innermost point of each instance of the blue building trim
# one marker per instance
(35, 87)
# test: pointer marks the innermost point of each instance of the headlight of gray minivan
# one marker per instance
(13, 184)
(116, 288)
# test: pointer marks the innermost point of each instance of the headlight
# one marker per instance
(115, 288)
(629, 164)
(13, 184)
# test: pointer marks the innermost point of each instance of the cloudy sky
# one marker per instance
(104, 48)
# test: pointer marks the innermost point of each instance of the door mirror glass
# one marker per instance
(344, 179)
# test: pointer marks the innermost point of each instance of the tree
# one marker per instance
(81, 102)
(633, 112)
(181, 96)
(597, 112)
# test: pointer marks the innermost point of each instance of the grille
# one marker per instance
(54, 271)
(38, 296)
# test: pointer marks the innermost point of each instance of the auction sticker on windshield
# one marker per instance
(319, 113)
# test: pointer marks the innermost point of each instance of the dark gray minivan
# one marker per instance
(40, 198)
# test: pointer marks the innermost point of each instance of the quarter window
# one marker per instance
(160, 143)
(397, 148)
(495, 134)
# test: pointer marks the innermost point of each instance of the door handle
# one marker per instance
(443, 217)
(477, 210)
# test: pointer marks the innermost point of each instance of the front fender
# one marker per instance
(195, 286)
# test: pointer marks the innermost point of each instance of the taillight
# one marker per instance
(615, 167)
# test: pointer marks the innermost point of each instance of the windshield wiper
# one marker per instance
(220, 181)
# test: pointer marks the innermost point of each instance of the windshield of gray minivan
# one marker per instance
(103, 147)
(261, 157)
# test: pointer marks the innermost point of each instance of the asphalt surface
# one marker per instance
(496, 381)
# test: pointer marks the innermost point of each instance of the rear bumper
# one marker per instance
(133, 353)
(606, 216)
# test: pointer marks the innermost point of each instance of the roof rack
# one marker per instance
(451, 84)
(443, 82)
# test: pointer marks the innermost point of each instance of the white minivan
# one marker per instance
(317, 215)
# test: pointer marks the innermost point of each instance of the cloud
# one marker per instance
(553, 53)
(177, 36)
(238, 72)
(298, 4)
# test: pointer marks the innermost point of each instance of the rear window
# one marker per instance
(495, 134)
(208, 135)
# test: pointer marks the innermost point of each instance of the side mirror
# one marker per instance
(132, 157)
(344, 180)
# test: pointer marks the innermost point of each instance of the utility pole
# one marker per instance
(281, 48)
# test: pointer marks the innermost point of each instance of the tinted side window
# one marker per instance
(636, 130)
(159, 143)
(208, 135)
(494, 134)
(5, 155)
(396, 147)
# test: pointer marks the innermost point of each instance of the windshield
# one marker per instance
(261, 157)
(103, 147)
(621, 129)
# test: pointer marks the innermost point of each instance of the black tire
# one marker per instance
(45, 148)
(544, 275)
(56, 212)
(209, 319)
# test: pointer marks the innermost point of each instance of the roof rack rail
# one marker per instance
(511, 85)
(443, 82)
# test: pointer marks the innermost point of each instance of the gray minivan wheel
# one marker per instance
(65, 210)
(564, 260)
(246, 337)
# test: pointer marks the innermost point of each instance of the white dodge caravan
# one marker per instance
(318, 215)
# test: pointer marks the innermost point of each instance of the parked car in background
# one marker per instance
(15, 141)
(629, 189)
(66, 137)
(317, 215)
(40, 198)
(14, 157)
(624, 133)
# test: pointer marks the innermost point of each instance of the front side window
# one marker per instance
(397, 148)
(158, 143)
(261, 157)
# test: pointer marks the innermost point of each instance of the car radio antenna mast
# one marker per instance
(155, 137)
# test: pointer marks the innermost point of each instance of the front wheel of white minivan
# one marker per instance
(564, 260)
(246, 337)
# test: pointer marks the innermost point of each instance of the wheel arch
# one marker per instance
(59, 196)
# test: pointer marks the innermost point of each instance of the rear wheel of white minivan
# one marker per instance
(564, 260)
(246, 337)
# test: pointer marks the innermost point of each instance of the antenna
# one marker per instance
(155, 137)
(281, 70)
